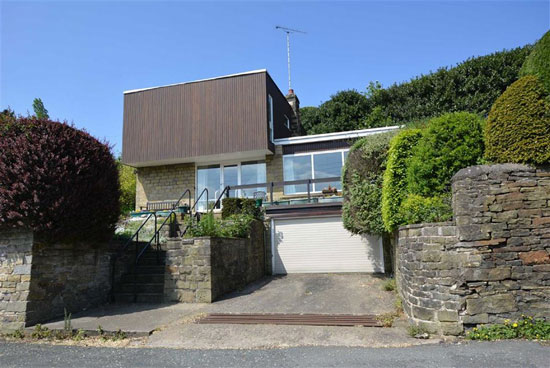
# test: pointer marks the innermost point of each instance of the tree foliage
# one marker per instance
(57, 181)
(518, 127)
(362, 184)
(471, 86)
(538, 61)
(448, 143)
(39, 110)
(127, 180)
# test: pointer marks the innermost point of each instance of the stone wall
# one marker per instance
(200, 270)
(162, 183)
(15, 276)
(38, 281)
(274, 171)
(491, 263)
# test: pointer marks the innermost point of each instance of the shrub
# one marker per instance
(57, 181)
(538, 61)
(449, 143)
(394, 186)
(518, 127)
(127, 180)
(362, 184)
(235, 226)
(237, 206)
(416, 209)
(526, 328)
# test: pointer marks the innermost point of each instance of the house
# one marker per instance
(241, 131)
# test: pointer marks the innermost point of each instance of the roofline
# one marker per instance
(334, 136)
(198, 80)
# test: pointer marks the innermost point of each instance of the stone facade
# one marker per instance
(38, 281)
(492, 263)
(163, 183)
(15, 277)
(274, 171)
(200, 270)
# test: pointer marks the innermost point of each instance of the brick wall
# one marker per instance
(200, 270)
(160, 183)
(492, 263)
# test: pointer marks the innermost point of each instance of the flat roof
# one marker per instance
(334, 136)
(198, 80)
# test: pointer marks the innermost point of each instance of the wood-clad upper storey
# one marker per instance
(215, 118)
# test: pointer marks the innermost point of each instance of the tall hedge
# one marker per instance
(394, 186)
(57, 181)
(472, 86)
(448, 143)
(362, 184)
(538, 61)
(518, 127)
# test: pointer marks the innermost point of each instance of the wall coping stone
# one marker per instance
(426, 224)
(472, 172)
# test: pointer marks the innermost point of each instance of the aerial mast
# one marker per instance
(288, 31)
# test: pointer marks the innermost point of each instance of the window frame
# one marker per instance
(311, 154)
(270, 119)
(287, 122)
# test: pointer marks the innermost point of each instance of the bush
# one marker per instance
(235, 226)
(238, 206)
(525, 328)
(362, 184)
(416, 209)
(57, 181)
(127, 180)
(518, 127)
(394, 186)
(449, 143)
(538, 61)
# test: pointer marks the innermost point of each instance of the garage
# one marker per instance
(322, 245)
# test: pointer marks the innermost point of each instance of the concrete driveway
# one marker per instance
(311, 293)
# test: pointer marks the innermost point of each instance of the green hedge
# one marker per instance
(448, 143)
(472, 86)
(416, 209)
(538, 61)
(394, 186)
(518, 127)
(240, 206)
(362, 184)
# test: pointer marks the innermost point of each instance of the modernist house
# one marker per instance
(241, 131)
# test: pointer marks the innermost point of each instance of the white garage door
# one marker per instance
(321, 244)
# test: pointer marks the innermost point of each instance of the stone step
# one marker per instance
(143, 278)
(140, 287)
(140, 297)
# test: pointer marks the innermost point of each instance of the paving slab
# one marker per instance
(134, 319)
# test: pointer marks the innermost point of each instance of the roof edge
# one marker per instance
(197, 81)
(334, 136)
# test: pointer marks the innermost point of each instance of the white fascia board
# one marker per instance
(198, 80)
(334, 136)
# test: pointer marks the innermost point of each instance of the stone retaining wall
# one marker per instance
(491, 263)
(200, 270)
(38, 281)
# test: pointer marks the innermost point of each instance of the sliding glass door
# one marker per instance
(208, 177)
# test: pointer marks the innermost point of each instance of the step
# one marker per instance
(140, 287)
(143, 278)
(141, 298)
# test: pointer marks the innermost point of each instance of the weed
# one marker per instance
(389, 285)
(387, 319)
(67, 321)
(41, 332)
(18, 334)
(119, 335)
(414, 331)
(80, 335)
(526, 328)
(100, 330)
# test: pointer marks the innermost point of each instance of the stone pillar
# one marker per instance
(295, 123)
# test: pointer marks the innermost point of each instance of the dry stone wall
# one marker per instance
(491, 263)
(199, 270)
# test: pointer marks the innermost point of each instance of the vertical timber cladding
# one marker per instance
(194, 119)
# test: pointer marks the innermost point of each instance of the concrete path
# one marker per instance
(172, 325)
(503, 354)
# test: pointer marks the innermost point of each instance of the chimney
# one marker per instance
(295, 124)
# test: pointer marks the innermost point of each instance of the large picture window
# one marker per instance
(313, 165)
(217, 177)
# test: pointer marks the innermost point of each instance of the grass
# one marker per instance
(413, 330)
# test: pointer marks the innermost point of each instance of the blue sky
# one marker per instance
(80, 56)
